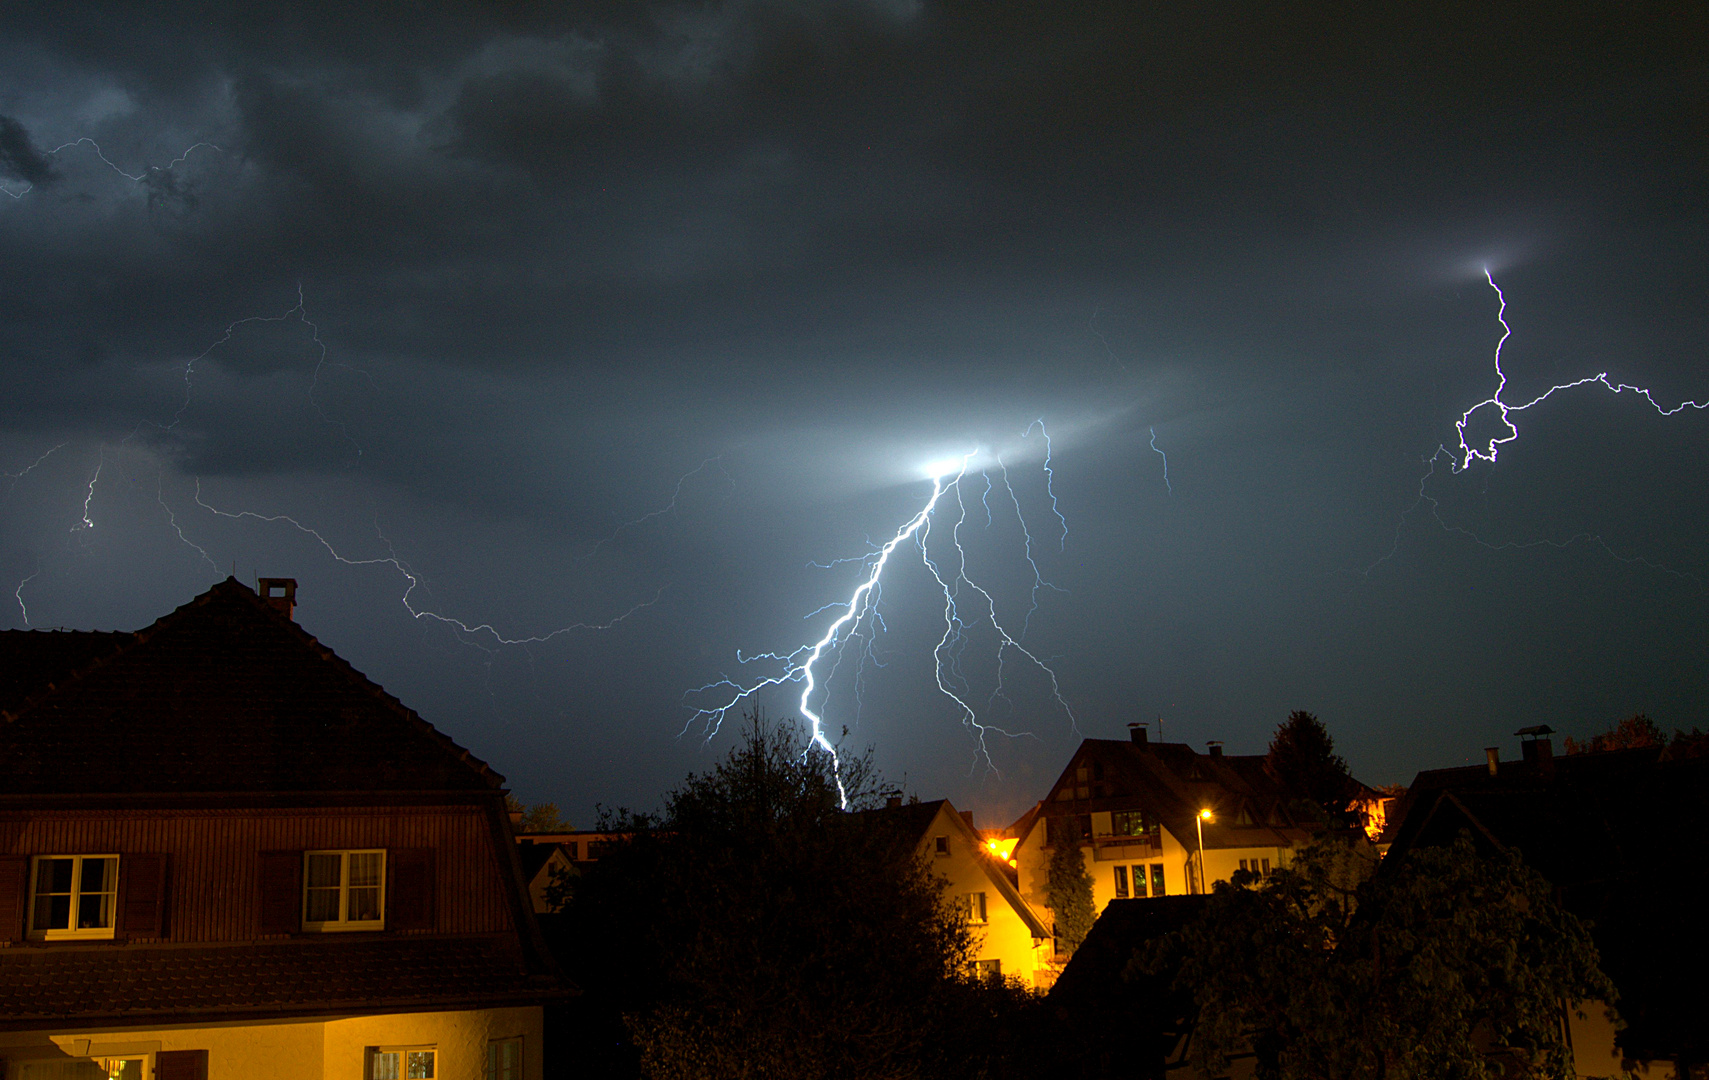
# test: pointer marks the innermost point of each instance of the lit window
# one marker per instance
(74, 896)
(402, 1063)
(344, 890)
(1157, 879)
(504, 1059)
(1138, 879)
(975, 907)
(1121, 883)
(1128, 823)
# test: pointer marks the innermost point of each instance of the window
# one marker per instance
(74, 896)
(974, 905)
(402, 1063)
(1128, 823)
(344, 890)
(1157, 879)
(988, 969)
(941, 844)
(504, 1059)
(1266, 870)
(1138, 879)
(1121, 883)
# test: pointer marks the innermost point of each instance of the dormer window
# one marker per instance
(344, 890)
(73, 896)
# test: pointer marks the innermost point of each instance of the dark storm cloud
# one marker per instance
(559, 255)
(18, 156)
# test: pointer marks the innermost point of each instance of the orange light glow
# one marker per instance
(1002, 848)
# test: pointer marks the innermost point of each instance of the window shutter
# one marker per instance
(281, 892)
(142, 895)
(410, 890)
(181, 1065)
(14, 880)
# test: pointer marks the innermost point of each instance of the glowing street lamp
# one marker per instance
(1199, 822)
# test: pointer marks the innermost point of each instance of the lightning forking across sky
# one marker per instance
(1461, 457)
(860, 618)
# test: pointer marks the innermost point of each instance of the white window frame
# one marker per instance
(73, 933)
(344, 922)
(974, 907)
(374, 1053)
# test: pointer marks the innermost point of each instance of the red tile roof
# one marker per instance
(225, 694)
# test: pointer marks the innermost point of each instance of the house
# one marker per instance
(1011, 940)
(1612, 831)
(563, 852)
(225, 852)
(1142, 812)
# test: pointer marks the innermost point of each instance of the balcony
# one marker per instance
(1126, 848)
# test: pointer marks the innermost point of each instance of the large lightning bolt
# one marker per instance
(860, 616)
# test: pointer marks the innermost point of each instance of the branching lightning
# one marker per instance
(717, 459)
(861, 619)
(391, 559)
(1464, 453)
(152, 170)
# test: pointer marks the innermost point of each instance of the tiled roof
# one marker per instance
(143, 983)
(31, 659)
(225, 694)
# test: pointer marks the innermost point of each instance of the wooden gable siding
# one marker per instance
(213, 875)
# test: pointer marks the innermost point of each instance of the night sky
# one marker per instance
(642, 310)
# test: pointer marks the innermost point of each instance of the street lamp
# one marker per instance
(1199, 823)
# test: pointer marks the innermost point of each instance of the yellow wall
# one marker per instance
(1006, 936)
(326, 1049)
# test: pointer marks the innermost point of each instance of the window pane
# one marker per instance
(323, 871)
(1121, 883)
(1157, 879)
(364, 905)
(99, 875)
(95, 911)
(54, 875)
(322, 906)
(365, 869)
(386, 1065)
(510, 1059)
(420, 1063)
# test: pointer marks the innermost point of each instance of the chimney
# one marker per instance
(286, 601)
(1215, 746)
(967, 816)
(1536, 747)
(893, 800)
(1139, 734)
(1492, 756)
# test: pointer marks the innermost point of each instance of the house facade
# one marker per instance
(226, 853)
(1137, 810)
(1011, 940)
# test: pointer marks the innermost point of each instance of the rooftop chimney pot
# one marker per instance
(1215, 746)
(286, 601)
(1138, 733)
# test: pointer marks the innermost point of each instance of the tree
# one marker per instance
(1067, 884)
(1632, 733)
(1434, 968)
(539, 818)
(756, 929)
(1302, 754)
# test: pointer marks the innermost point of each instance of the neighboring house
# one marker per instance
(1012, 941)
(563, 852)
(1612, 831)
(1135, 809)
(225, 853)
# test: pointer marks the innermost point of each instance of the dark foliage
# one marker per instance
(1302, 754)
(1450, 965)
(757, 929)
(1632, 733)
(1069, 885)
